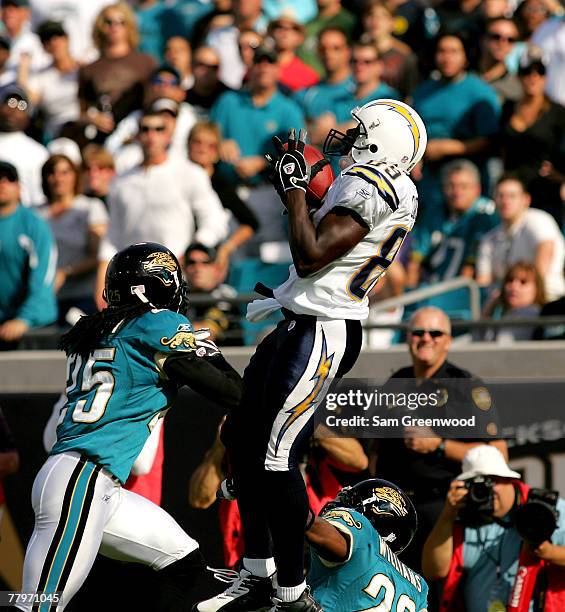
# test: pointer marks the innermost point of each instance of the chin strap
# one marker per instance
(138, 291)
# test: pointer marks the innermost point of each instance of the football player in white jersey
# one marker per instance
(338, 253)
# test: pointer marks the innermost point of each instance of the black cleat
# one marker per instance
(305, 603)
(248, 593)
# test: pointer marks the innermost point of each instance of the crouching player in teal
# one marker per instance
(354, 544)
(125, 365)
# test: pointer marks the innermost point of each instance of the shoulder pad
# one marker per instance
(378, 179)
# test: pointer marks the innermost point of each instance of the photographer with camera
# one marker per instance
(499, 544)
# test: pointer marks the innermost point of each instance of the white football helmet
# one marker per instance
(387, 130)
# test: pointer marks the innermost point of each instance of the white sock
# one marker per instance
(260, 567)
(290, 593)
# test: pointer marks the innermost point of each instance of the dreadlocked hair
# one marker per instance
(89, 330)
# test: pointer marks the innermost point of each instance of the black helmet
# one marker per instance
(145, 272)
(387, 507)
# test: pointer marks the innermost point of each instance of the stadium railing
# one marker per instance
(464, 316)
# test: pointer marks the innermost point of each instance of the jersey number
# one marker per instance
(369, 274)
(102, 379)
(380, 583)
(390, 170)
(451, 250)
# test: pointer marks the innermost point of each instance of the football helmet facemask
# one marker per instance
(148, 273)
(387, 130)
(385, 505)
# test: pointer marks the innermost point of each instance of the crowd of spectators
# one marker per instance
(149, 119)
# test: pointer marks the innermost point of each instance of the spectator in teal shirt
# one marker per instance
(461, 113)
(28, 260)
(149, 15)
(303, 10)
(451, 250)
(366, 85)
(249, 118)
(331, 15)
(335, 54)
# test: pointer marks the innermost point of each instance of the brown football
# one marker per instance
(319, 185)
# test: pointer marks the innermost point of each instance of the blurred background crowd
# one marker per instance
(148, 120)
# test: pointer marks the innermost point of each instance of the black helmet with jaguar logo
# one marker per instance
(146, 272)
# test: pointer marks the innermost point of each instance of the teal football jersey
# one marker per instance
(372, 577)
(115, 397)
(446, 249)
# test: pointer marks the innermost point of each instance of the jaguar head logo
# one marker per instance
(396, 504)
(161, 265)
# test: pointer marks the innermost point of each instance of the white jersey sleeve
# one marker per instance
(385, 200)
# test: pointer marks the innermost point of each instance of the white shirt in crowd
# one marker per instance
(128, 154)
(27, 42)
(172, 203)
(7, 77)
(58, 97)
(225, 42)
(550, 37)
(501, 248)
(77, 17)
(28, 156)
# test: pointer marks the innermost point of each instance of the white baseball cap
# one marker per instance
(485, 460)
(165, 104)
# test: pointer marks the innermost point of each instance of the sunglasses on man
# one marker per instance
(159, 80)
(194, 262)
(434, 333)
(501, 37)
(537, 68)
(9, 176)
(145, 129)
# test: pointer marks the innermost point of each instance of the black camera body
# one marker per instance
(536, 520)
(479, 502)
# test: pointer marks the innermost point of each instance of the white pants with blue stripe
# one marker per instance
(81, 510)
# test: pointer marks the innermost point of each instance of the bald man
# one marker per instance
(425, 466)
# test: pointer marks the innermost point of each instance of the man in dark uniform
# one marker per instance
(205, 278)
(424, 466)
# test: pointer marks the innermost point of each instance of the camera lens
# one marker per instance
(535, 521)
(479, 492)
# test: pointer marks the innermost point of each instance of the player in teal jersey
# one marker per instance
(354, 544)
(125, 366)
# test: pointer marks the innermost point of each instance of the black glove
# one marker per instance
(273, 176)
(292, 167)
(289, 170)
